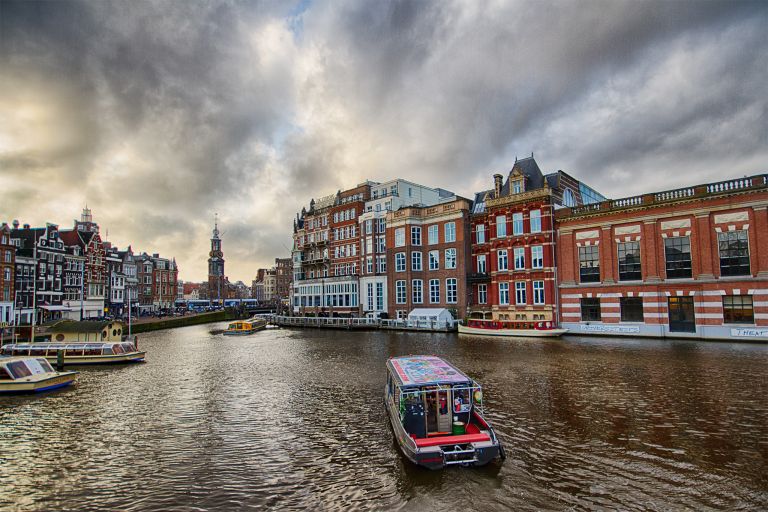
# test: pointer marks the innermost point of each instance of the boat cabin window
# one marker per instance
(461, 401)
(53, 349)
(73, 350)
(107, 350)
(92, 350)
(18, 369)
(44, 364)
(128, 347)
(4, 375)
(117, 349)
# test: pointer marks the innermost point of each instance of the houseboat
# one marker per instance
(31, 375)
(511, 328)
(245, 327)
(436, 413)
(78, 353)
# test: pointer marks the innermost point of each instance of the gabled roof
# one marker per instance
(85, 326)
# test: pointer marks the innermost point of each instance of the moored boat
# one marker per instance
(540, 329)
(436, 412)
(245, 326)
(31, 375)
(78, 353)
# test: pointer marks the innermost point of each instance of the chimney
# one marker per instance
(26, 226)
(15, 223)
(497, 184)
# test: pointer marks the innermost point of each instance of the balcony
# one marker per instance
(478, 277)
(694, 193)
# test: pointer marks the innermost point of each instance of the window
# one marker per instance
(631, 309)
(737, 309)
(434, 291)
(589, 264)
(434, 260)
(629, 261)
(450, 258)
(369, 264)
(399, 237)
(400, 292)
(590, 310)
(535, 221)
(481, 269)
(504, 294)
(502, 259)
(381, 243)
(415, 235)
(480, 231)
(568, 199)
(517, 223)
(517, 186)
(417, 291)
(519, 261)
(450, 232)
(537, 256)
(416, 261)
(370, 296)
(432, 234)
(451, 291)
(734, 253)
(677, 253)
(538, 293)
(482, 294)
(501, 226)
(380, 296)
(381, 264)
(400, 262)
(381, 225)
(520, 292)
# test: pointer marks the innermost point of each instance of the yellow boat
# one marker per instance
(31, 375)
(245, 327)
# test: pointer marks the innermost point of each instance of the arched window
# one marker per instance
(568, 199)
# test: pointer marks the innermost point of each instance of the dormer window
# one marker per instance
(517, 186)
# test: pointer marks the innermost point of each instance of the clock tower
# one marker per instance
(216, 279)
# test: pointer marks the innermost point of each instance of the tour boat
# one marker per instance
(79, 353)
(31, 375)
(245, 326)
(436, 413)
(511, 328)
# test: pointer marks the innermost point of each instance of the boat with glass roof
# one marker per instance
(78, 353)
(31, 375)
(436, 412)
(520, 329)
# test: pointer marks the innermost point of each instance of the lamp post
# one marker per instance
(34, 293)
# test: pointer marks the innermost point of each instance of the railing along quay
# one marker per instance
(363, 323)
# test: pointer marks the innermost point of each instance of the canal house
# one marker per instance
(687, 262)
(68, 331)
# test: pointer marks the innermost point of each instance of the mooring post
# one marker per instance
(60, 359)
(136, 341)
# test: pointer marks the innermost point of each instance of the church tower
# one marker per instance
(216, 280)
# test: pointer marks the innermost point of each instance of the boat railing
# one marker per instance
(424, 324)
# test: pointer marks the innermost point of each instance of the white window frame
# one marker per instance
(434, 291)
(537, 260)
(416, 235)
(450, 258)
(400, 292)
(400, 237)
(519, 258)
(482, 269)
(434, 260)
(504, 293)
(521, 298)
(499, 254)
(501, 226)
(450, 232)
(432, 234)
(417, 291)
(517, 224)
(416, 261)
(535, 218)
(538, 293)
(482, 294)
(400, 262)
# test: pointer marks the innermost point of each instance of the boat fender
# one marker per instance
(502, 452)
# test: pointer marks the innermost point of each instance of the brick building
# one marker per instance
(512, 273)
(688, 262)
(428, 257)
(7, 275)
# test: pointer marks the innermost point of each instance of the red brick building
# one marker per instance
(512, 274)
(688, 262)
(7, 275)
(428, 257)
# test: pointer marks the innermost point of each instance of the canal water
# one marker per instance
(294, 419)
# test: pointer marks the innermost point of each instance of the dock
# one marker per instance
(363, 323)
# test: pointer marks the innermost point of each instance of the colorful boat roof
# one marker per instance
(424, 371)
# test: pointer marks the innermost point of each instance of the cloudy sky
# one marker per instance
(158, 114)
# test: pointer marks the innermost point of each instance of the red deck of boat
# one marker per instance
(462, 439)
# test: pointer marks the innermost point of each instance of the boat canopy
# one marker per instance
(17, 367)
(425, 371)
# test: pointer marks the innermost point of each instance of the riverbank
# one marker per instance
(157, 324)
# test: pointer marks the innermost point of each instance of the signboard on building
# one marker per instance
(750, 332)
(618, 329)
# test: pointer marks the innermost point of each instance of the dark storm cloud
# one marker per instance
(158, 113)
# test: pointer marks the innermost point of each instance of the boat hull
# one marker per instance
(38, 386)
(438, 456)
(517, 333)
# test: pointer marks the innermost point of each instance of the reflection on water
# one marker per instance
(295, 419)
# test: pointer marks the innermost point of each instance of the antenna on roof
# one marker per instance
(531, 154)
